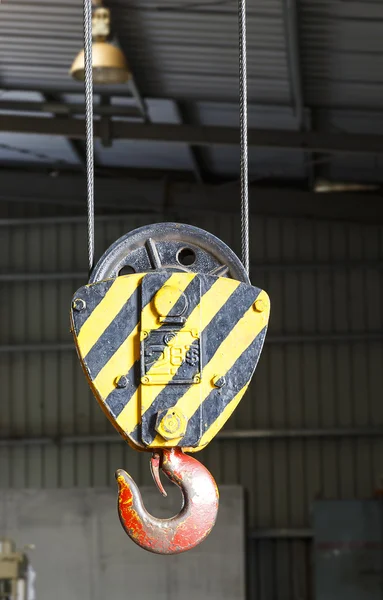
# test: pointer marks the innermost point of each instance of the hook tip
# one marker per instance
(121, 477)
(155, 465)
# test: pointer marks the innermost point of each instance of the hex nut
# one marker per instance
(219, 381)
(78, 304)
(121, 381)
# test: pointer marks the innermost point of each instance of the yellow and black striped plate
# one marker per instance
(198, 356)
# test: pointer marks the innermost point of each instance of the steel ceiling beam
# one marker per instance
(194, 153)
(140, 102)
(68, 109)
(290, 12)
(313, 141)
(160, 194)
(77, 146)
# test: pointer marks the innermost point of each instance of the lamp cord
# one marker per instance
(88, 72)
(244, 158)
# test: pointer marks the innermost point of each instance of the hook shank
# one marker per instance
(186, 529)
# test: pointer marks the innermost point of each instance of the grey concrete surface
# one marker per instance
(82, 553)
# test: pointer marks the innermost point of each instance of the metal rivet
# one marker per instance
(145, 379)
(259, 305)
(197, 378)
(164, 301)
(218, 381)
(78, 304)
(121, 381)
(170, 338)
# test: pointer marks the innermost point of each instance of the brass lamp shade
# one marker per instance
(109, 65)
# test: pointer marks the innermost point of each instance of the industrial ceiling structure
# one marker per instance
(315, 89)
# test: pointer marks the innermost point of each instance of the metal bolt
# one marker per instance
(171, 423)
(218, 381)
(259, 305)
(145, 379)
(197, 378)
(79, 304)
(121, 381)
(144, 334)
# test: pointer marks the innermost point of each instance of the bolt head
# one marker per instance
(145, 379)
(78, 304)
(197, 378)
(218, 381)
(171, 423)
(121, 381)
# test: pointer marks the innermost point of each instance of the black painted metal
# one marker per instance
(161, 245)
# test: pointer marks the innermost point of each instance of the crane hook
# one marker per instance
(194, 521)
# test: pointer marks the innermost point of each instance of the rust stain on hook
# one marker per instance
(194, 521)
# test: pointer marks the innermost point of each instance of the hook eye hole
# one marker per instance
(186, 257)
(127, 270)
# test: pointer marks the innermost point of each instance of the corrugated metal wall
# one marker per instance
(321, 368)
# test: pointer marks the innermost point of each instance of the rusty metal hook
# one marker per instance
(194, 521)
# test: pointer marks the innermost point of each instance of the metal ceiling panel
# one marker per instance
(36, 149)
(180, 49)
(342, 52)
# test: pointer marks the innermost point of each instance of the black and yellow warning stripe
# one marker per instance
(108, 343)
(232, 343)
(220, 323)
(107, 334)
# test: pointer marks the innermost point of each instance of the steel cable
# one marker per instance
(244, 158)
(88, 76)
(244, 176)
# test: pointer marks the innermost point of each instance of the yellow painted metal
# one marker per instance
(210, 304)
(167, 366)
(129, 352)
(171, 427)
(103, 315)
(219, 422)
(163, 300)
(164, 369)
(229, 351)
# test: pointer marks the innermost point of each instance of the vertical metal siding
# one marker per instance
(297, 385)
